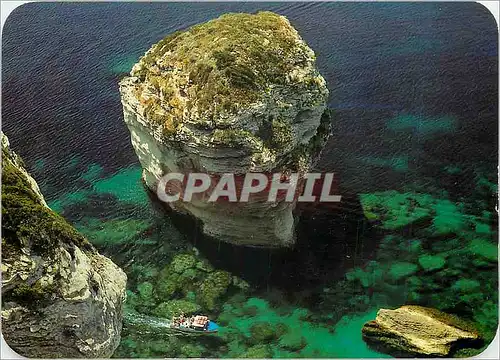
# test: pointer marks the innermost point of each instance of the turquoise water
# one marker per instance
(440, 254)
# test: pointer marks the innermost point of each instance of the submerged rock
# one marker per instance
(60, 298)
(431, 262)
(237, 94)
(393, 210)
(258, 352)
(185, 275)
(418, 331)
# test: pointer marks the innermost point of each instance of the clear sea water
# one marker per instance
(414, 90)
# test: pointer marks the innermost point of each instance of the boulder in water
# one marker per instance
(419, 331)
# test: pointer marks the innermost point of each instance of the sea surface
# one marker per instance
(414, 89)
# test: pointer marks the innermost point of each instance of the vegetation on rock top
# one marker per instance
(221, 65)
(30, 228)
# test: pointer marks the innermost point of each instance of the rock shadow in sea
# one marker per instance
(330, 240)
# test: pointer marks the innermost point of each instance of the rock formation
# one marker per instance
(237, 94)
(418, 331)
(60, 298)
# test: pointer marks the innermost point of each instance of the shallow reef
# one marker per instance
(429, 250)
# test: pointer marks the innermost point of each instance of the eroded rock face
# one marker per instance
(60, 298)
(418, 331)
(237, 94)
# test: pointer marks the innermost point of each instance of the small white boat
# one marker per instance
(198, 323)
(188, 326)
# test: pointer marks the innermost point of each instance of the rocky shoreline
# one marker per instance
(60, 297)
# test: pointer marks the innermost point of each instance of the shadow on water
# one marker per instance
(330, 240)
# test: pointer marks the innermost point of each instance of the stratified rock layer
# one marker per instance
(237, 94)
(418, 331)
(60, 298)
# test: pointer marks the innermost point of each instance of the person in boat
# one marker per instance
(200, 322)
(183, 321)
(197, 322)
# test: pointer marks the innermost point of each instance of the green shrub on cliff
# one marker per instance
(230, 137)
(26, 222)
(282, 135)
(32, 294)
(221, 66)
(34, 239)
(257, 49)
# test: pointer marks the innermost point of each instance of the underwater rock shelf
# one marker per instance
(237, 94)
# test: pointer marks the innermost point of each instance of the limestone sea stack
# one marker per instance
(238, 94)
(60, 297)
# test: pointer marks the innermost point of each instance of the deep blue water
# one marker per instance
(435, 62)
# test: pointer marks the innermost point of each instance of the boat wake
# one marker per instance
(146, 324)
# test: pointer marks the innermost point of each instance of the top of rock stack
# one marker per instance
(213, 73)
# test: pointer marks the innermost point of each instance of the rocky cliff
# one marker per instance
(60, 298)
(237, 94)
